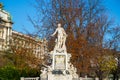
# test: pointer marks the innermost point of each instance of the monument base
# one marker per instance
(61, 68)
(52, 76)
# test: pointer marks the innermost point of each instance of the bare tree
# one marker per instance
(85, 22)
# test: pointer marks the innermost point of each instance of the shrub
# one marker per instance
(13, 73)
(9, 73)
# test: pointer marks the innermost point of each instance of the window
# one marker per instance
(0, 45)
(2, 22)
(1, 33)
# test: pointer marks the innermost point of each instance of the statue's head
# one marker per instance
(59, 25)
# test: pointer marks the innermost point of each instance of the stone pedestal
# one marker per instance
(61, 68)
(59, 61)
(60, 77)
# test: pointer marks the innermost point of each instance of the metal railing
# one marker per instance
(29, 78)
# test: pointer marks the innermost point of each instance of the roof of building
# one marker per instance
(3, 13)
(26, 36)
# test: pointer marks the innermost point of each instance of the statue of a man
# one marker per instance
(61, 38)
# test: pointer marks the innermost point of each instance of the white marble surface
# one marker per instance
(61, 68)
(61, 38)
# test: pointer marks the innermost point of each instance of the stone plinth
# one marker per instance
(61, 68)
(59, 77)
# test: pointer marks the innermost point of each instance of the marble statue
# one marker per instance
(61, 37)
(61, 67)
(49, 68)
(44, 71)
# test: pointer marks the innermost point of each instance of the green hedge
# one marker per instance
(12, 73)
(9, 73)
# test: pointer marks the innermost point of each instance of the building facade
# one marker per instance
(10, 38)
(5, 29)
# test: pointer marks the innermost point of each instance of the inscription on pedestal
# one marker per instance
(60, 62)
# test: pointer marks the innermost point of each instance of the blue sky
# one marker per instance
(113, 7)
(19, 9)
